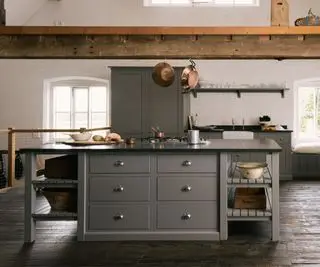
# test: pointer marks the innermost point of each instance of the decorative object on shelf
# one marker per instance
(251, 170)
(310, 20)
(279, 13)
(61, 199)
(163, 74)
(189, 76)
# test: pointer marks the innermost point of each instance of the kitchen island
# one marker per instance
(171, 191)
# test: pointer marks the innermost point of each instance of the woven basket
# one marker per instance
(61, 199)
(310, 20)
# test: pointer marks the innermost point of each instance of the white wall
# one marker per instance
(132, 13)
(21, 81)
(19, 12)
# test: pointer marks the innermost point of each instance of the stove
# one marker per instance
(167, 140)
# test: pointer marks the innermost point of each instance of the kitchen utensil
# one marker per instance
(190, 76)
(163, 74)
(251, 170)
(84, 136)
(193, 137)
(157, 132)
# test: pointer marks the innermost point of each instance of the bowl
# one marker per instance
(251, 170)
(81, 136)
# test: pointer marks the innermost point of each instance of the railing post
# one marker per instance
(11, 156)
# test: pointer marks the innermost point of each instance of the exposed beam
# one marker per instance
(65, 30)
(169, 47)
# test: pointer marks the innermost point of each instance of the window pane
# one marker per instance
(80, 99)
(98, 99)
(307, 111)
(62, 96)
(62, 120)
(81, 120)
(98, 119)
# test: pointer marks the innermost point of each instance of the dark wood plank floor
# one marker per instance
(248, 244)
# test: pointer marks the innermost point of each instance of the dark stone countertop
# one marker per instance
(252, 128)
(215, 145)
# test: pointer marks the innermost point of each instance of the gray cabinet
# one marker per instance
(211, 135)
(151, 197)
(137, 103)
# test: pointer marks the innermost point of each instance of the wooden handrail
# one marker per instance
(81, 30)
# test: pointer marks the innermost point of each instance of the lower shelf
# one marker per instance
(55, 216)
(248, 215)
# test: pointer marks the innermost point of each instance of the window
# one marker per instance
(307, 113)
(77, 104)
(222, 3)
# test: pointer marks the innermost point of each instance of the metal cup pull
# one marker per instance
(118, 217)
(186, 188)
(186, 216)
(118, 188)
(119, 163)
(187, 163)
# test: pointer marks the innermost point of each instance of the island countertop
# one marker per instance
(213, 145)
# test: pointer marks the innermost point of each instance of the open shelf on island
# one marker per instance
(54, 183)
(238, 91)
(248, 215)
(243, 182)
(55, 216)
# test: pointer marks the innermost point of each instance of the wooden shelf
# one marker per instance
(103, 30)
(238, 91)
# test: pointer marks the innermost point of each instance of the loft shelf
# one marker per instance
(238, 91)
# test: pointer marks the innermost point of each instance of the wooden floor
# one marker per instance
(248, 244)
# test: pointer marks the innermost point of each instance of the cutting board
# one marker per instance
(91, 143)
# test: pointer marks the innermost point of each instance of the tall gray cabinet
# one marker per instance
(137, 103)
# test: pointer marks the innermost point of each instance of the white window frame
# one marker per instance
(200, 3)
(73, 82)
(313, 83)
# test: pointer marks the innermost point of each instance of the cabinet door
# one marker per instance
(126, 91)
(163, 106)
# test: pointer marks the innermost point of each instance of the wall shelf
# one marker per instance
(238, 91)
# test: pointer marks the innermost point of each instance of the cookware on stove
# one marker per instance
(163, 74)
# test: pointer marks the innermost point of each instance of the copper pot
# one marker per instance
(163, 74)
(190, 76)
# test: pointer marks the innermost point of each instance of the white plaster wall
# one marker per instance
(19, 12)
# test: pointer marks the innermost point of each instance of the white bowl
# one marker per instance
(81, 136)
(251, 170)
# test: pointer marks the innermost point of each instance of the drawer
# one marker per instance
(119, 188)
(201, 215)
(111, 217)
(187, 163)
(187, 188)
(280, 138)
(119, 164)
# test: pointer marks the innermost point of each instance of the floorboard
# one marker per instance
(248, 243)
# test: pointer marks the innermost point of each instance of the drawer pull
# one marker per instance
(118, 188)
(187, 163)
(118, 217)
(119, 163)
(186, 216)
(186, 188)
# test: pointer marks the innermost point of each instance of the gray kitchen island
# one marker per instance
(171, 191)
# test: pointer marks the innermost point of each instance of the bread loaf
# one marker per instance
(113, 137)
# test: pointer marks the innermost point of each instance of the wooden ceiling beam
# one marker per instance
(69, 30)
(168, 47)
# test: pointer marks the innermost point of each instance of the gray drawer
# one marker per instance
(187, 163)
(280, 138)
(119, 188)
(112, 217)
(203, 215)
(119, 164)
(187, 188)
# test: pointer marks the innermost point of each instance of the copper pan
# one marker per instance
(163, 74)
(190, 76)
